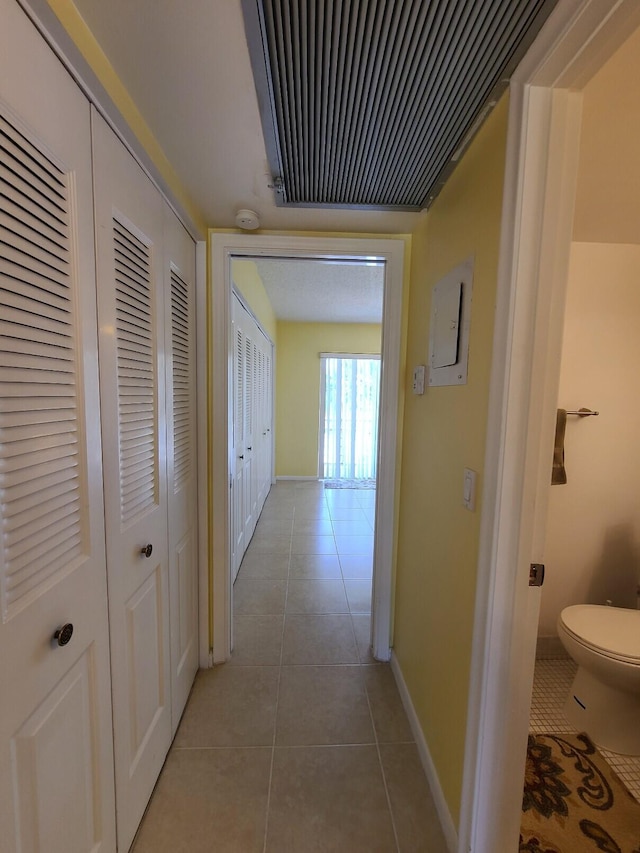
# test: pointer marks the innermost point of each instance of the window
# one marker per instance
(350, 390)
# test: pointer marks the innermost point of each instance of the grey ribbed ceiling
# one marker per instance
(370, 102)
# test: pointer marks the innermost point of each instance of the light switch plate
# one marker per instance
(469, 489)
(418, 379)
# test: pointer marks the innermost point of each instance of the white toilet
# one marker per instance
(604, 700)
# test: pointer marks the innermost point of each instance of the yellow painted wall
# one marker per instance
(444, 431)
(298, 386)
(247, 279)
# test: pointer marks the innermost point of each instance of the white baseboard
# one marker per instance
(446, 821)
(310, 479)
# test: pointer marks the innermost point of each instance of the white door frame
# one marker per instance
(539, 194)
(223, 247)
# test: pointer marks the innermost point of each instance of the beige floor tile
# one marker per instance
(414, 813)
(277, 512)
(352, 528)
(322, 705)
(347, 513)
(307, 543)
(342, 497)
(313, 526)
(328, 799)
(354, 544)
(208, 800)
(255, 597)
(264, 566)
(309, 511)
(230, 706)
(356, 566)
(268, 544)
(358, 596)
(257, 641)
(362, 628)
(319, 640)
(316, 596)
(319, 566)
(274, 527)
(389, 717)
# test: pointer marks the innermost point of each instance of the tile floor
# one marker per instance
(551, 684)
(300, 743)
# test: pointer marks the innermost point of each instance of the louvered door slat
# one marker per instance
(26, 156)
(40, 463)
(17, 278)
(50, 555)
(32, 520)
(53, 494)
(9, 343)
(135, 373)
(34, 217)
(18, 222)
(181, 376)
(18, 182)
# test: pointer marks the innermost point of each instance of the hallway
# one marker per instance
(300, 743)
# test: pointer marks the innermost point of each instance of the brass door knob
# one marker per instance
(147, 550)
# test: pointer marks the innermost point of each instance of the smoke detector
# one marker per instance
(247, 220)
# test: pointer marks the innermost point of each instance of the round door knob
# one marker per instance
(249, 448)
(240, 457)
(147, 550)
(63, 634)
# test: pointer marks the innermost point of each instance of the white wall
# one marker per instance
(593, 527)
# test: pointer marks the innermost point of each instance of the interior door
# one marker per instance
(237, 452)
(249, 421)
(179, 273)
(129, 225)
(56, 761)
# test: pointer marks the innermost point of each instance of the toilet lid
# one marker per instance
(615, 631)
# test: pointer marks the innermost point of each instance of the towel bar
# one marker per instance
(583, 413)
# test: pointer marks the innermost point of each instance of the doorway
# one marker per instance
(540, 188)
(389, 253)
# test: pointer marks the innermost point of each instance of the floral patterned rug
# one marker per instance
(349, 484)
(573, 802)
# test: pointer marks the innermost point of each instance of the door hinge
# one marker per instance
(536, 574)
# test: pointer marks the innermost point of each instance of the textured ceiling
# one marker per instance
(323, 291)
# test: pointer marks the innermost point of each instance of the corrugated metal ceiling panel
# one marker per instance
(366, 102)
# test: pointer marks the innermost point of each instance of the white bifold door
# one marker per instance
(145, 307)
(252, 396)
(56, 762)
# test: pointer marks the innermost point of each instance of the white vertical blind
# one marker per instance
(350, 422)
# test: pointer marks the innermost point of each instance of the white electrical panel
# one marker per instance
(449, 329)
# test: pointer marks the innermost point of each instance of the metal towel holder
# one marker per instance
(583, 413)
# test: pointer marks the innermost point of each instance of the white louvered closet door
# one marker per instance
(249, 420)
(130, 263)
(56, 761)
(237, 450)
(179, 274)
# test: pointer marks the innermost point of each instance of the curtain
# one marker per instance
(350, 441)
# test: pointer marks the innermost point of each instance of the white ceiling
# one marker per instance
(323, 291)
(186, 65)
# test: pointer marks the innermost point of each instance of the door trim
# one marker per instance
(223, 246)
(544, 127)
